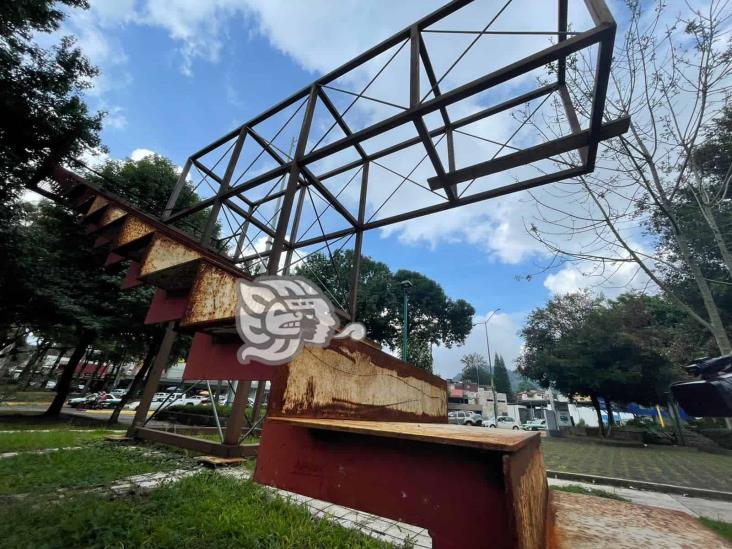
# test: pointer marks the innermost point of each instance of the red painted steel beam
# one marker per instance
(211, 359)
(166, 306)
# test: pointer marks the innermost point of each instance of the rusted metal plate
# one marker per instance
(352, 380)
(98, 203)
(591, 522)
(528, 494)
(133, 229)
(213, 297)
(456, 492)
(169, 264)
(435, 433)
(164, 253)
(213, 358)
(110, 215)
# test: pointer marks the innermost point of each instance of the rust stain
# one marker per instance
(527, 491)
(111, 215)
(133, 229)
(438, 433)
(99, 203)
(213, 297)
(590, 522)
(163, 253)
(351, 384)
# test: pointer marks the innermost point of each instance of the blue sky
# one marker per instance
(176, 75)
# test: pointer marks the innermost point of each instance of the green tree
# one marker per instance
(434, 318)
(475, 369)
(501, 379)
(615, 350)
(62, 293)
(42, 120)
(147, 183)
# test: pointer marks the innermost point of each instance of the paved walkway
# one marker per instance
(696, 507)
(659, 464)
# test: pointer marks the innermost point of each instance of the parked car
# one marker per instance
(464, 418)
(108, 401)
(83, 401)
(177, 399)
(118, 393)
(535, 425)
(504, 422)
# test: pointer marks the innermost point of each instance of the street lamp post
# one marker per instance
(406, 286)
(490, 363)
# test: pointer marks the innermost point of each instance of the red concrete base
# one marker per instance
(458, 493)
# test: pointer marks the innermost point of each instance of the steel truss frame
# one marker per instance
(300, 176)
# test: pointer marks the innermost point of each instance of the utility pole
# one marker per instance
(406, 286)
(490, 363)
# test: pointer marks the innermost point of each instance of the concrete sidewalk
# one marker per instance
(696, 507)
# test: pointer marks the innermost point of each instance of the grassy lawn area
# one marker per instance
(679, 466)
(95, 464)
(37, 440)
(724, 529)
(206, 510)
(574, 489)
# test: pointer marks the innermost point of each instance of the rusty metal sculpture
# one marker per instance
(239, 200)
(350, 423)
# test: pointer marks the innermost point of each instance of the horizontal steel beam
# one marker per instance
(532, 154)
(522, 66)
(470, 119)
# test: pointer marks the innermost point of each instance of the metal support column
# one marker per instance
(356, 267)
(153, 378)
(284, 218)
(238, 408)
(173, 199)
(293, 231)
(223, 187)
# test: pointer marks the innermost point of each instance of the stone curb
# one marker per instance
(644, 485)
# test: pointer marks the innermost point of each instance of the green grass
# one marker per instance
(39, 440)
(206, 510)
(575, 489)
(724, 529)
(11, 394)
(17, 422)
(95, 464)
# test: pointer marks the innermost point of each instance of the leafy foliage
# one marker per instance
(475, 369)
(501, 379)
(434, 318)
(615, 349)
(42, 115)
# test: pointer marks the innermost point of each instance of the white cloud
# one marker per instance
(115, 118)
(503, 338)
(139, 154)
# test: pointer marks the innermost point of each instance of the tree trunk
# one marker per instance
(100, 364)
(137, 382)
(598, 411)
(38, 366)
(610, 416)
(64, 383)
(61, 353)
(40, 351)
